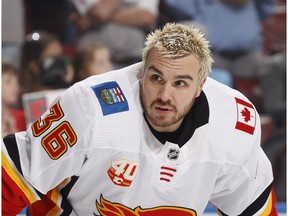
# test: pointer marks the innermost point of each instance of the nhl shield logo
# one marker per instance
(173, 154)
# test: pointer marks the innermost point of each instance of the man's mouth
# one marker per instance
(163, 109)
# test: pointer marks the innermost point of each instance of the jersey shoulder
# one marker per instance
(113, 90)
(113, 101)
(234, 124)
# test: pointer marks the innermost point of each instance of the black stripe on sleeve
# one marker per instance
(11, 146)
(65, 205)
(256, 205)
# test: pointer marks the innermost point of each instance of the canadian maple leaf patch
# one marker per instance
(246, 116)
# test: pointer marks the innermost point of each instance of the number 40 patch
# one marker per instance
(122, 172)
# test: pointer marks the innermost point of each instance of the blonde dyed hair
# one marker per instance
(176, 40)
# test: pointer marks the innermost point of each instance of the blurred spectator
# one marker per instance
(274, 30)
(36, 48)
(45, 72)
(121, 25)
(56, 72)
(12, 30)
(91, 60)
(273, 84)
(12, 118)
(233, 27)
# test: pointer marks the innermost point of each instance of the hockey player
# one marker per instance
(156, 138)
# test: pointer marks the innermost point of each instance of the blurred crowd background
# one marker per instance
(49, 45)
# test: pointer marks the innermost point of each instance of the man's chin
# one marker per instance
(161, 122)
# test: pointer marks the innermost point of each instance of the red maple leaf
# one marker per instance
(246, 114)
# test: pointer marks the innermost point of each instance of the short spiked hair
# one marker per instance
(176, 40)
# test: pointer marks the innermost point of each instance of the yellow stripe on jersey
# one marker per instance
(18, 180)
(55, 194)
(267, 210)
(54, 198)
(54, 211)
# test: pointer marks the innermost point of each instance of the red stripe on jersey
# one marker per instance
(168, 168)
(165, 179)
(13, 198)
(165, 173)
(44, 206)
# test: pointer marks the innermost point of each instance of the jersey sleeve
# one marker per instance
(52, 149)
(244, 182)
(246, 189)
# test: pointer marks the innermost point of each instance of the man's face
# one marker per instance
(168, 89)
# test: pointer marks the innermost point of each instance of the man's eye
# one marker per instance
(156, 78)
(180, 83)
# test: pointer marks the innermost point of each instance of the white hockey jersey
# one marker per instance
(92, 153)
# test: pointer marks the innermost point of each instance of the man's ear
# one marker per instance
(200, 87)
(140, 74)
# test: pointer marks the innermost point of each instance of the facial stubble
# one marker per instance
(160, 121)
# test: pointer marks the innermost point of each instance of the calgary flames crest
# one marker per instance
(106, 208)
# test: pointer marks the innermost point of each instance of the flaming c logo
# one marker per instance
(106, 208)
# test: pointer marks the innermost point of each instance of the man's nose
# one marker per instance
(165, 92)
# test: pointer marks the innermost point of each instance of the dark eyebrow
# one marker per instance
(152, 67)
(184, 77)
